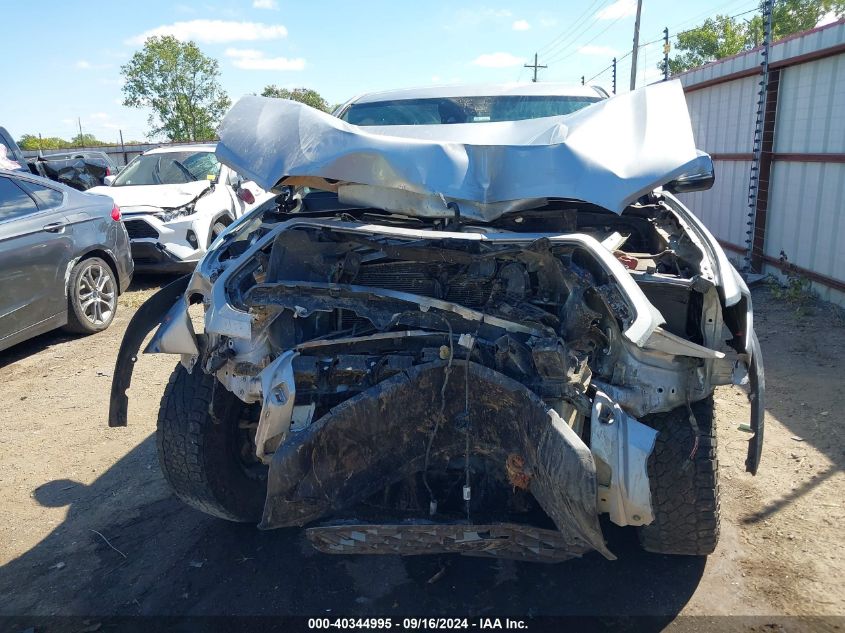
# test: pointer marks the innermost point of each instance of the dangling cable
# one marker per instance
(432, 502)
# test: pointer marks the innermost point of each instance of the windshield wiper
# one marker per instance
(156, 172)
(185, 170)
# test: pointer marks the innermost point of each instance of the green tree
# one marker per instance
(716, 38)
(303, 95)
(723, 35)
(180, 85)
(793, 16)
(32, 142)
(86, 140)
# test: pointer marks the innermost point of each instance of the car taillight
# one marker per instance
(108, 171)
(115, 213)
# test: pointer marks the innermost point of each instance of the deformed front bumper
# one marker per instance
(382, 436)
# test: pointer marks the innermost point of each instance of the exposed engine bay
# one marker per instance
(402, 353)
(460, 338)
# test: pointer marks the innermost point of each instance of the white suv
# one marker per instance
(175, 201)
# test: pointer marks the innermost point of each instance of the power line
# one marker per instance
(616, 60)
(572, 27)
(598, 35)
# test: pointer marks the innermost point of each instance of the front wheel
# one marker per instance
(683, 470)
(91, 297)
(217, 228)
(205, 449)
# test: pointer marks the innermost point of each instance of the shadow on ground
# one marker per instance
(804, 357)
(159, 557)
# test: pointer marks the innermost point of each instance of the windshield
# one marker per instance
(443, 110)
(171, 168)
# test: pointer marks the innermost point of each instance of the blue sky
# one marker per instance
(66, 65)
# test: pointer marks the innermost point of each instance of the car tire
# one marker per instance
(684, 489)
(216, 229)
(91, 296)
(200, 442)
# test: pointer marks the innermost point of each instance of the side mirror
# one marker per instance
(699, 176)
(245, 194)
(108, 180)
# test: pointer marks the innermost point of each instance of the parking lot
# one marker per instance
(89, 526)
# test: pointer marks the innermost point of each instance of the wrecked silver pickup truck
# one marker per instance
(474, 338)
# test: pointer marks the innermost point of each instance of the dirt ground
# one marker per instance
(88, 526)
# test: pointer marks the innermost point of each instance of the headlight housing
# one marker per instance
(168, 215)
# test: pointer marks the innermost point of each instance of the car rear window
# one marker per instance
(14, 202)
(46, 197)
(442, 110)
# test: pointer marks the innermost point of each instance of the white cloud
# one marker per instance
(214, 31)
(521, 25)
(473, 18)
(272, 5)
(251, 59)
(84, 64)
(547, 23)
(497, 60)
(601, 51)
(618, 9)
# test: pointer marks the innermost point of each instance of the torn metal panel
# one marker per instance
(380, 436)
(609, 153)
(176, 333)
(622, 444)
(278, 391)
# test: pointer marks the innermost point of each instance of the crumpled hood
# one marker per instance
(156, 196)
(609, 153)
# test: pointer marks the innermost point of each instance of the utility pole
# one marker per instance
(535, 66)
(666, 49)
(614, 75)
(582, 80)
(79, 122)
(636, 45)
(123, 147)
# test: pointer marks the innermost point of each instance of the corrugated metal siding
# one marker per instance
(721, 120)
(806, 199)
(817, 39)
(724, 208)
(811, 107)
(805, 216)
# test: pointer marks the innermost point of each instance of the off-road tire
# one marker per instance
(684, 491)
(198, 449)
(79, 318)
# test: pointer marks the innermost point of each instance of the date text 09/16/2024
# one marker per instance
(412, 624)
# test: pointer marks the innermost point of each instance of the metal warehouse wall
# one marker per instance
(799, 215)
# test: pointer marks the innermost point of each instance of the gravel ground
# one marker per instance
(89, 527)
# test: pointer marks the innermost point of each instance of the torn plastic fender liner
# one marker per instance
(380, 436)
(757, 384)
(148, 316)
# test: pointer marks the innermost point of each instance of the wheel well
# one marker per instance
(106, 258)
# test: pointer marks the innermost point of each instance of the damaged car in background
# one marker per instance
(476, 338)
